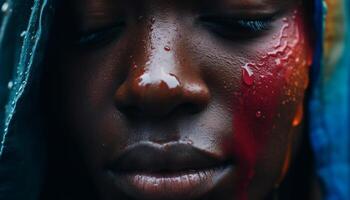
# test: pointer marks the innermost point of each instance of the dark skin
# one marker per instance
(175, 75)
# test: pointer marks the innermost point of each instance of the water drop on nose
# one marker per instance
(167, 48)
(172, 81)
(247, 74)
(188, 140)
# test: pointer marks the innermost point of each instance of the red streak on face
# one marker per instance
(266, 82)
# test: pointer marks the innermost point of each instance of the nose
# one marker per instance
(160, 81)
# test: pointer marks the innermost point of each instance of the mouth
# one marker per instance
(170, 171)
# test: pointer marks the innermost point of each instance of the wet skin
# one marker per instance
(182, 99)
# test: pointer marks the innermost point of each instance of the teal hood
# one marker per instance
(24, 30)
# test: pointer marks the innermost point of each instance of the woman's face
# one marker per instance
(183, 99)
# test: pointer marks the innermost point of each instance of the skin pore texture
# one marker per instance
(180, 99)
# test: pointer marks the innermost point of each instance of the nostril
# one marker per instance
(130, 111)
(190, 108)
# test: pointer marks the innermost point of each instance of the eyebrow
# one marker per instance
(98, 8)
(253, 6)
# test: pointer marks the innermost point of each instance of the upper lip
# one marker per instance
(149, 157)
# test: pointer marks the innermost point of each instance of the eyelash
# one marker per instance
(232, 28)
(254, 25)
(100, 36)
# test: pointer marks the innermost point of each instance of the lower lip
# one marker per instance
(177, 185)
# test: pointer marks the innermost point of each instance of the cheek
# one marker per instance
(272, 88)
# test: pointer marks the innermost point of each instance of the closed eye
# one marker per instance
(233, 28)
(100, 36)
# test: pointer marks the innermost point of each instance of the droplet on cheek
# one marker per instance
(298, 116)
(258, 114)
(278, 62)
(247, 74)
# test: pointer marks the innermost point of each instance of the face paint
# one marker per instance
(275, 79)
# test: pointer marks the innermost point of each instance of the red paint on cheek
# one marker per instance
(264, 82)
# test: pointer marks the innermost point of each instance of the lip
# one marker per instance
(169, 171)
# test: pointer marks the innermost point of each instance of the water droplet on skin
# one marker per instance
(134, 66)
(258, 114)
(298, 116)
(247, 74)
(167, 48)
(261, 64)
(281, 34)
(279, 49)
(153, 20)
(278, 62)
(188, 141)
(170, 80)
(285, 19)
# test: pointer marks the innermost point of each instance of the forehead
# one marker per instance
(237, 4)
